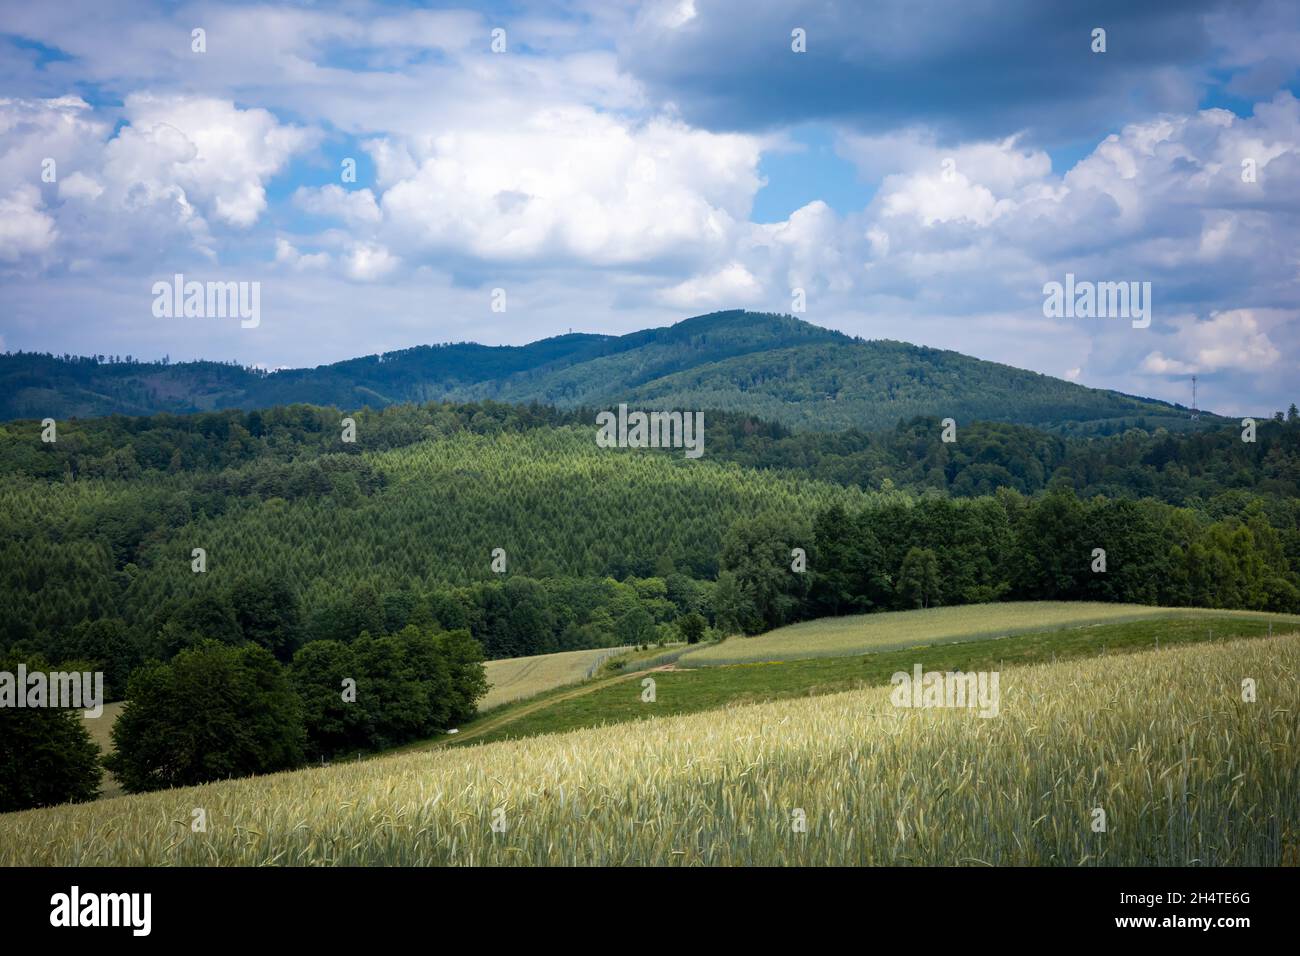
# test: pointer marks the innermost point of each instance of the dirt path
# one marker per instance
(491, 723)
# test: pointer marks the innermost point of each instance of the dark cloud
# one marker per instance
(969, 70)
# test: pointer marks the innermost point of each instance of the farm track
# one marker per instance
(493, 723)
(800, 677)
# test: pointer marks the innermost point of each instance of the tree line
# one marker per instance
(897, 555)
(218, 710)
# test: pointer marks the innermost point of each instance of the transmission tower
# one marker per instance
(1196, 412)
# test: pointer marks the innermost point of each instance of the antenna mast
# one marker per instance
(1195, 411)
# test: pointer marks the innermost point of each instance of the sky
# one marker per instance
(396, 174)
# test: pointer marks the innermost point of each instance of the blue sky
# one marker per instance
(920, 170)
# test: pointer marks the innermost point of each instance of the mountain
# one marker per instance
(774, 366)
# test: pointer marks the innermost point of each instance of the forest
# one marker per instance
(102, 522)
(449, 533)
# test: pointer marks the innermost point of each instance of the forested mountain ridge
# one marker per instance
(775, 366)
(101, 523)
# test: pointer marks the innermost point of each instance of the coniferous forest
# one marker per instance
(444, 534)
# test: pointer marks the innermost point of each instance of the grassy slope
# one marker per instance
(866, 633)
(691, 690)
(1186, 772)
(514, 678)
(535, 695)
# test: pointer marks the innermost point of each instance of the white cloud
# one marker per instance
(151, 188)
(571, 185)
(356, 207)
(729, 286)
(79, 186)
(25, 230)
(1156, 363)
(218, 155)
(63, 129)
(366, 262)
(288, 255)
(1226, 340)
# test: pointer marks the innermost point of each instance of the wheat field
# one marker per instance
(896, 630)
(514, 678)
(1186, 772)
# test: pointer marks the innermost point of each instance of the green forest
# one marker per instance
(351, 536)
(260, 555)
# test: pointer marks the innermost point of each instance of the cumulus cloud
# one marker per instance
(287, 254)
(62, 130)
(366, 262)
(1144, 204)
(218, 155)
(1226, 340)
(25, 229)
(570, 184)
(355, 207)
(175, 166)
(731, 285)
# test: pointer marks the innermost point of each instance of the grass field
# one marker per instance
(892, 630)
(101, 728)
(511, 678)
(1161, 741)
(514, 678)
(692, 690)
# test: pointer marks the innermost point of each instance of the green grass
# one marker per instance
(893, 630)
(691, 690)
(1186, 772)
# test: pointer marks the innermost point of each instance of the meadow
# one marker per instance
(892, 630)
(1161, 741)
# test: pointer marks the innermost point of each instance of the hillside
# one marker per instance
(517, 678)
(892, 630)
(870, 780)
(774, 366)
(693, 681)
(604, 546)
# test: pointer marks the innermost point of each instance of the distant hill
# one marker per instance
(774, 366)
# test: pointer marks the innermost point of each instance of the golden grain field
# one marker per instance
(1185, 771)
(895, 630)
(101, 731)
(514, 678)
